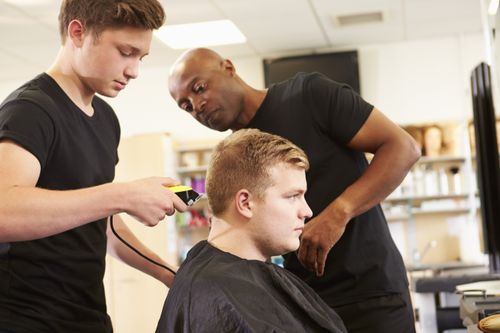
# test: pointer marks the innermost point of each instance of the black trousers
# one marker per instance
(386, 314)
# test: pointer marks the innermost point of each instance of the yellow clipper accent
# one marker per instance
(179, 188)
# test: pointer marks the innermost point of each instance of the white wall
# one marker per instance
(411, 82)
(421, 81)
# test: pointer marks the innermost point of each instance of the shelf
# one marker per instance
(420, 212)
(193, 158)
(430, 160)
(444, 266)
(189, 170)
(420, 199)
(458, 210)
(196, 148)
(441, 159)
(396, 217)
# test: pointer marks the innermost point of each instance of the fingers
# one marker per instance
(177, 203)
(307, 256)
(150, 200)
(313, 257)
(174, 204)
(167, 181)
(301, 254)
(322, 254)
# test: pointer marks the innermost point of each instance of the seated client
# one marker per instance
(255, 185)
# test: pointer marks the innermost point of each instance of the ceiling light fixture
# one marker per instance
(28, 2)
(493, 7)
(358, 18)
(210, 33)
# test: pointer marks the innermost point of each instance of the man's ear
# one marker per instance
(243, 203)
(228, 67)
(76, 32)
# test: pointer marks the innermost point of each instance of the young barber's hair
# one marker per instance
(99, 15)
(242, 161)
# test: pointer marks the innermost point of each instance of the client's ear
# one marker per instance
(243, 203)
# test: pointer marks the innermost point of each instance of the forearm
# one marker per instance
(119, 250)
(386, 171)
(30, 213)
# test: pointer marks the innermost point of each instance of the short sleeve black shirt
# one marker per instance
(321, 116)
(54, 284)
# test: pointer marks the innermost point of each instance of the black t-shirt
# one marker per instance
(321, 116)
(215, 291)
(54, 284)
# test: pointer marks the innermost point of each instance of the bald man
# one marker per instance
(346, 254)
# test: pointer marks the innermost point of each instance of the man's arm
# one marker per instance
(395, 152)
(122, 252)
(28, 212)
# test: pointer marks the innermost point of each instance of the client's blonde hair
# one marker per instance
(242, 161)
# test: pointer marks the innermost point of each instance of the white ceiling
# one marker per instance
(29, 39)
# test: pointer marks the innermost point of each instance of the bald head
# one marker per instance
(191, 64)
(195, 57)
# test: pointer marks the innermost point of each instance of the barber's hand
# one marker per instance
(149, 200)
(320, 235)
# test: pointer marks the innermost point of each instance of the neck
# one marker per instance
(251, 103)
(62, 72)
(235, 239)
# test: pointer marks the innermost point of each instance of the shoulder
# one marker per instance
(217, 275)
(309, 84)
(298, 79)
(32, 99)
(28, 107)
(308, 77)
(317, 80)
(206, 263)
(209, 272)
(33, 91)
(207, 279)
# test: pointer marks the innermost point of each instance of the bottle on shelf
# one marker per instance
(456, 180)
(444, 188)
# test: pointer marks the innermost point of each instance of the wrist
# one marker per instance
(341, 210)
(121, 195)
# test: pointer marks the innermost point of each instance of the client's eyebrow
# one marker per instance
(296, 191)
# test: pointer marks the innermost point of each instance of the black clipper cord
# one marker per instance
(135, 250)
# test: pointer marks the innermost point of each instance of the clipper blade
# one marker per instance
(186, 193)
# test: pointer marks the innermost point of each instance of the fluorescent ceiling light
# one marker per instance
(211, 33)
(28, 2)
(493, 7)
(360, 18)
